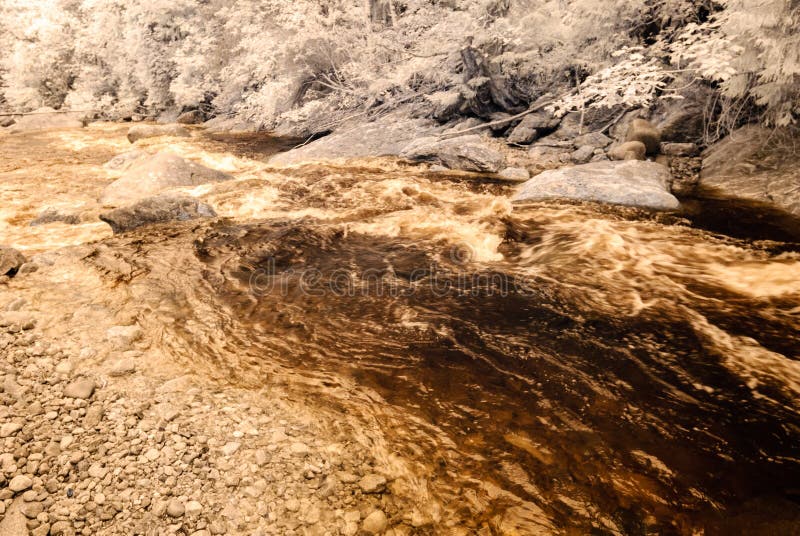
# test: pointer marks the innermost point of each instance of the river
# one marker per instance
(556, 368)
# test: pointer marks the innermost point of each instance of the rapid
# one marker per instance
(546, 368)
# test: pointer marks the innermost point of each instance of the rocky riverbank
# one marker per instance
(122, 452)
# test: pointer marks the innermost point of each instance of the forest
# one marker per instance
(304, 65)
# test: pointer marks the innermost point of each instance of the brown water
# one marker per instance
(542, 369)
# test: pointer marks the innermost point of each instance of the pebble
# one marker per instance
(372, 483)
(20, 483)
(9, 429)
(375, 523)
(175, 508)
(123, 367)
(82, 389)
(299, 449)
(231, 448)
(193, 508)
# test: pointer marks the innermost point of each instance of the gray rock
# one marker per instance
(53, 215)
(541, 120)
(629, 183)
(82, 388)
(375, 523)
(643, 131)
(387, 136)
(466, 153)
(10, 261)
(630, 150)
(141, 132)
(679, 149)
(192, 117)
(153, 175)
(531, 127)
(514, 174)
(160, 209)
(523, 136)
(593, 139)
(48, 118)
(582, 155)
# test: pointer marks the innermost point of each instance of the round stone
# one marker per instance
(20, 483)
(175, 508)
(375, 523)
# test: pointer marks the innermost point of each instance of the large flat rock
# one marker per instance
(629, 183)
(387, 136)
(156, 174)
(47, 118)
(465, 153)
(753, 164)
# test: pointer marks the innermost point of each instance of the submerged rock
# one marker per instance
(629, 183)
(466, 153)
(123, 161)
(156, 174)
(10, 261)
(154, 210)
(140, 132)
(53, 215)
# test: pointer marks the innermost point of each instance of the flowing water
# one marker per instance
(549, 368)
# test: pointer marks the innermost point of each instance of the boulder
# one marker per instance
(446, 104)
(47, 118)
(532, 126)
(466, 153)
(523, 136)
(159, 209)
(550, 154)
(629, 183)
(53, 215)
(192, 117)
(644, 131)
(500, 121)
(630, 150)
(582, 155)
(679, 149)
(7, 121)
(598, 140)
(153, 175)
(10, 261)
(141, 132)
(387, 136)
(753, 164)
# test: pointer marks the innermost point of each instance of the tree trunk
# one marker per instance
(381, 12)
(490, 91)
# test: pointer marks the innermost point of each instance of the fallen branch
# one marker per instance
(529, 111)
